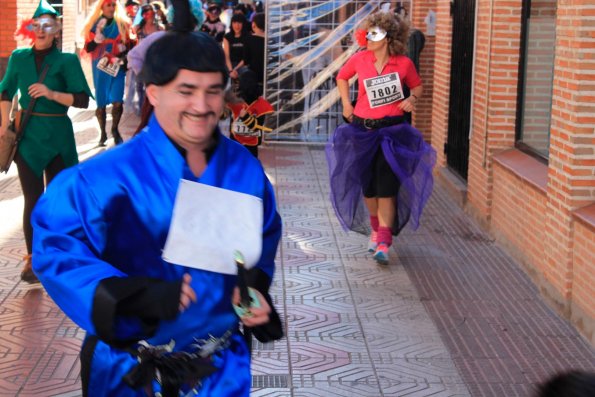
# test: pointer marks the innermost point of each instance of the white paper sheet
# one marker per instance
(209, 224)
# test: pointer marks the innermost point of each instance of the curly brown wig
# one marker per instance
(396, 27)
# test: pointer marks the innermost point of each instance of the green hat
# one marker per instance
(45, 8)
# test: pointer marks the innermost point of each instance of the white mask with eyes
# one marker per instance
(375, 34)
(47, 25)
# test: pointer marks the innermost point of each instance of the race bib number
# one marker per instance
(107, 67)
(241, 129)
(384, 90)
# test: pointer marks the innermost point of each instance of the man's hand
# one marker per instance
(187, 294)
(257, 315)
(38, 90)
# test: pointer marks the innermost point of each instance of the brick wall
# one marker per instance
(494, 98)
(571, 181)
(422, 117)
(518, 217)
(583, 289)
(8, 16)
(533, 221)
(441, 86)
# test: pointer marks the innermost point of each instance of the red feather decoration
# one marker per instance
(25, 31)
(360, 37)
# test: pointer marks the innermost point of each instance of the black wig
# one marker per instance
(182, 49)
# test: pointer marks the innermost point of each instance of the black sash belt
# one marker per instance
(174, 369)
(373, 124)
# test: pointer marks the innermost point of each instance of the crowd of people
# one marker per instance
(113, 30)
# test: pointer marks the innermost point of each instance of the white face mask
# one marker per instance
(375, 34)
(47, 25)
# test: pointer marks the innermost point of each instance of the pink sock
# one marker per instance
(385, 235)
(374, 223)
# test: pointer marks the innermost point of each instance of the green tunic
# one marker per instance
(45, 137)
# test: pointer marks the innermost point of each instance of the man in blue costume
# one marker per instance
(153, 326)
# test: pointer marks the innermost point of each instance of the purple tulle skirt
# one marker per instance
(350, 152)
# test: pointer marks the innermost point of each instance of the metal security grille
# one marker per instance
(457, 147)
(307, 43)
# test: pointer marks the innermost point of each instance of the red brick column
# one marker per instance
(441, 86)
(571, 174)
(423, 114)
(494, 99)
(8, 16)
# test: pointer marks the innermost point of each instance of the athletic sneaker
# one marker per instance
(372, 244)
(381, 254)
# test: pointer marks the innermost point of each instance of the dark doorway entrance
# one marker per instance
(457, 146)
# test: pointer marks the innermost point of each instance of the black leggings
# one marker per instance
(384, 182)
(33, 187)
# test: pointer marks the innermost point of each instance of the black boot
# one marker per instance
(100, 114)
(117, 110)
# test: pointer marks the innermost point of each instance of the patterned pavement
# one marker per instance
(452, 315)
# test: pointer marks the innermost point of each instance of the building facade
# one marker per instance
(530, 133)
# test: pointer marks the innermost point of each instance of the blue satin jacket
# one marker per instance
(109, 217)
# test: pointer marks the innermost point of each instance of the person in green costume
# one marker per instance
(47, 145)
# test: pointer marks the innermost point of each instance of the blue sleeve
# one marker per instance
(271, 233)
(69, 235)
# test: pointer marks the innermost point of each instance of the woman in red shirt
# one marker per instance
(377, 152)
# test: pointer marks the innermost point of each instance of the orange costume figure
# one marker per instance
(107, 40)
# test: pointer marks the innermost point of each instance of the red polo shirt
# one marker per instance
(362, 64)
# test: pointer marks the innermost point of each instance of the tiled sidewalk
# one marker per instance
(453, 315)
